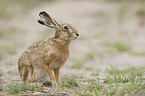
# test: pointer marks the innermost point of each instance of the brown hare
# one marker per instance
(44, 58)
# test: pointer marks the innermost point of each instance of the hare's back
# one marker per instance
(35, 52)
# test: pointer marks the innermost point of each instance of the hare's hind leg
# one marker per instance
(26, 71)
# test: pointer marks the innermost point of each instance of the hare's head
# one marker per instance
(63, 31)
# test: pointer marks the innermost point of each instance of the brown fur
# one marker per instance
(48, 55)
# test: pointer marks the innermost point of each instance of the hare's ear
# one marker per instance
(45, 19)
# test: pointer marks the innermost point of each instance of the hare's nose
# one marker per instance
(77, 34)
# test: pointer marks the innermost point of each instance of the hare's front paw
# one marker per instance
(54, 84)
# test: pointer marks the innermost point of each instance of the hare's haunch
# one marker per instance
(43, 58)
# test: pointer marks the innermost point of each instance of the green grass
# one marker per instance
(1, 74)
(17, 88)
(94, 74)
(117, 46)
(128, 88)
(124, 76)
(121, 46)
(140, 12)
(138, 53)
(116, 82)
(132, 71)
(69, 82)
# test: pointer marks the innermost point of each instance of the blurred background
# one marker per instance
(112, 32)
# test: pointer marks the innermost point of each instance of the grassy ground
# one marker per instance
(115, 82)
(107, 59)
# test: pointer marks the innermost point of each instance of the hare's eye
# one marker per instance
(65, 27)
